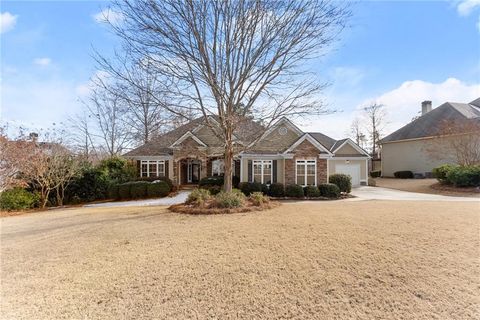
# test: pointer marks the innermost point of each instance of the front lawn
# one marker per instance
(327, 260)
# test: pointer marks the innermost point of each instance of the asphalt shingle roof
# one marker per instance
(430, 124)
(160, 145)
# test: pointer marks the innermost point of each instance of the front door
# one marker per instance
(193, 171)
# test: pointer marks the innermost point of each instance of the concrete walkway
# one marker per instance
(168, 201)
(378, 193)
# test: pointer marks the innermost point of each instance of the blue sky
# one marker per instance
(396, 53)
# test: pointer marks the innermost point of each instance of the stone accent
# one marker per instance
(303, 151)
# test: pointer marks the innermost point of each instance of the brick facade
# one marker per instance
(305, 150)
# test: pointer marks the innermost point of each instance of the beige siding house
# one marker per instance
(420, 146)
(283, 154)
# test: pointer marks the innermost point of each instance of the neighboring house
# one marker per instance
(282, 154)
(410, 147)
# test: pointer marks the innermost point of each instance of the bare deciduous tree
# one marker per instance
(376, 119)
(81, 135)
(109, 113)
(231, 59)
(357, 133)
(459, 141)
(143, 91)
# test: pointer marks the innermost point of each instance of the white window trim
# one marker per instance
(262, 162)
(305, 162)
(223, 173)
(148, 162)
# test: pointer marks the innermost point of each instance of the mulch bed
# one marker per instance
(444, 187)
(191, 209)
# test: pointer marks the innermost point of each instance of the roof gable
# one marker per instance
(348, 147)
(186, 136)
(309, 138)
(277, 139)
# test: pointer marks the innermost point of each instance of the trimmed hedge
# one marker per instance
(375, 174)
(218, 181)
(138, 190)
(294, 191)
(276, 190)
(403, 174)
(211, 181)
(158, 189)
(440, 173)
(464, 176)
(113, 191)
(311, 192)
(152, 179)
(329, 190)
(124, 190)
(343, 182)
(18, 199)
(250, 187)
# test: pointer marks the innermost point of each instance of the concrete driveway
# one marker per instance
(378, 193)
(167, 201)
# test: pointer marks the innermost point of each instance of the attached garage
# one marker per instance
(350, 169)
(354, 167)
(348, 158)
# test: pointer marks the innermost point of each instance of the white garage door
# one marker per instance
(351, 169)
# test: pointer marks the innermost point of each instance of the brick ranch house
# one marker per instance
(283, 154)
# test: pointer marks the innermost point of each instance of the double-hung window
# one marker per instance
(306, 172)
(262, 171)
(152, 168)
(218, 167)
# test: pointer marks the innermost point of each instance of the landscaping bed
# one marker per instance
(451, 189)
(192, 209)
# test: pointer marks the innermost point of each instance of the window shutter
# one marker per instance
(250, 176)
(139, 168)
(274, 171)
(166, 169)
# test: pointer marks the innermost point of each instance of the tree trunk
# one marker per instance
(44, 198)
(60, 196)
(228, 162)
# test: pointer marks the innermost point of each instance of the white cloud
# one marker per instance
(465, 7)
(42, 61)
(7, 21)
(108, 15)
(347, 75)
(84, 89)
(37, 102)
(402, 104)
